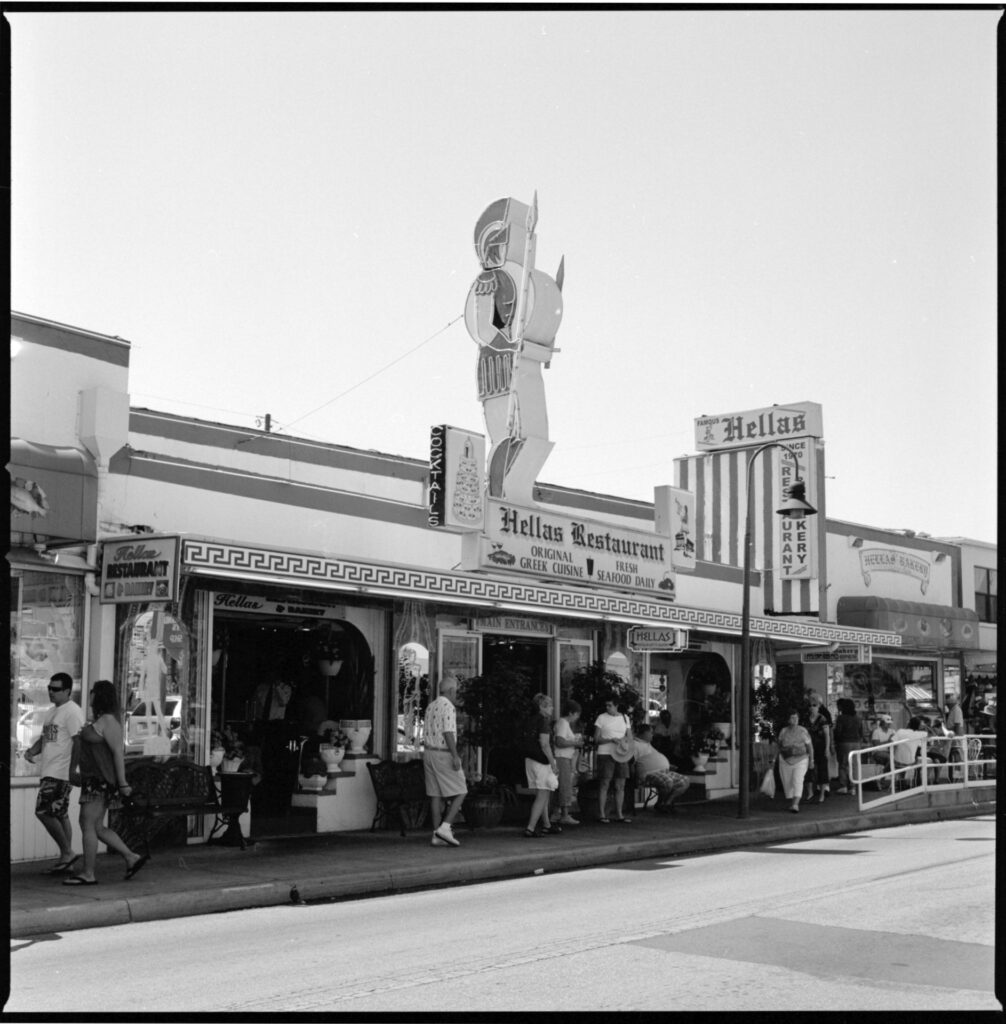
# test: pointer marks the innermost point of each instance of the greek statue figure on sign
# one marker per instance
(513, 313)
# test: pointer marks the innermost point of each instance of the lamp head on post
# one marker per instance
(794, 502)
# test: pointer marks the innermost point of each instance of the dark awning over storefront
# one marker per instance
(918, 624)
(54, 491)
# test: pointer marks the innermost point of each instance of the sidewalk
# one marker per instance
(181, 881)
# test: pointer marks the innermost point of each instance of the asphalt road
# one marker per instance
(897, 918)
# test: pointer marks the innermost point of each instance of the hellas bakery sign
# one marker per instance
(545, 544)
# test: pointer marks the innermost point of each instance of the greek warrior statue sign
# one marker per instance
(513, 313)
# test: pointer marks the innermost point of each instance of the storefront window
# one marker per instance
(986, 594)
(153, 661)
(46, 636)
(413, 695)
(900, 688)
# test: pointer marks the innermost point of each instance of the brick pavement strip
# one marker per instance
(192, 880)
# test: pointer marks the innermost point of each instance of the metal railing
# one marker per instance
(942, 762)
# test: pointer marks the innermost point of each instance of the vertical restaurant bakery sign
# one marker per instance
(797, 539)
(553, 546)
(142, 568)
(457, 478)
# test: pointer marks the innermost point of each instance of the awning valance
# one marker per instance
(532, 597)
(54, 491)
(918, 624)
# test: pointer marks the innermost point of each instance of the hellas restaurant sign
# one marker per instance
(144, 568)
(553, 546)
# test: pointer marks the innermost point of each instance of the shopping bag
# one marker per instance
(768, 783)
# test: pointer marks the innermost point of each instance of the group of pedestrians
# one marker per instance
(814, 749)
(552, 751)
(89, 755)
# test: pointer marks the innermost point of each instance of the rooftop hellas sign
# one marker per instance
(757, 426)
(797, 426)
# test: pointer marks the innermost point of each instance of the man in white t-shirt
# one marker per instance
(62, 723)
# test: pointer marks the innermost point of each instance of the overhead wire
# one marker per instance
(358, 384)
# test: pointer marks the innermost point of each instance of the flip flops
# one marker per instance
(623, 821)
(604, 821)
(529, 833)
(62, 869)
(136, 867)
(78, 880)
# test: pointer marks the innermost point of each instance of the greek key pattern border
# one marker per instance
(240, 560)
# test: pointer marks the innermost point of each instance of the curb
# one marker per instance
(161, 906)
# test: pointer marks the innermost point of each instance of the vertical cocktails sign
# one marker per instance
(457, 479)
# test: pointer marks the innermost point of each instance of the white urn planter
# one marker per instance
(358, 730)
(332, 756)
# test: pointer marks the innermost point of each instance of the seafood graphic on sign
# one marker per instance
(513, 312)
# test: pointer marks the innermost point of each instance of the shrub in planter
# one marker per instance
(594, 685)
(496, 707)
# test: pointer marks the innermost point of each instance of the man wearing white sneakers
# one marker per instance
(445, 781)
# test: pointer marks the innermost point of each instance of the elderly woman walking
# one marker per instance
(796, 757)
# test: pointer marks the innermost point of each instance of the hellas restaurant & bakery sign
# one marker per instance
(549, 545)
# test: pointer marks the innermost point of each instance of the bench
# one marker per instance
(400, 788)
(168, 789)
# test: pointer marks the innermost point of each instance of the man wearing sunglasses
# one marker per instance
(64, 720)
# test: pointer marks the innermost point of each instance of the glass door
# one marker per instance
(570, 657)
(459, 653)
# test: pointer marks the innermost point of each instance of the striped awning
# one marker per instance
(918, 624)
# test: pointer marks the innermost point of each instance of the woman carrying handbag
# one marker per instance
(102, 770)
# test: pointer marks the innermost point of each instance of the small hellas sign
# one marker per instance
(457, 478)
(647, 638)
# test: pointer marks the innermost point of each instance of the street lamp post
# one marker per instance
(795, 506)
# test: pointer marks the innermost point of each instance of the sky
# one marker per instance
(755, 207)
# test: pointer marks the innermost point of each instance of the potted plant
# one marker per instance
(496, 707)
(355, 689)
(486, 800)
(703, 744)
(718, 707)
(591, 687)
